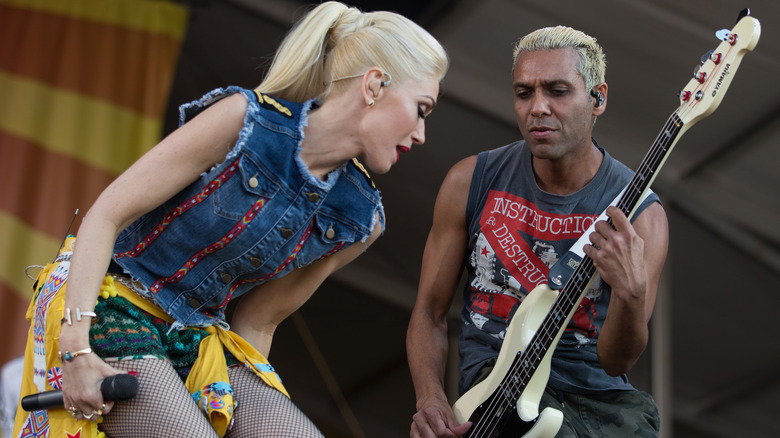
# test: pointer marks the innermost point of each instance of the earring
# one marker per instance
(371, 102)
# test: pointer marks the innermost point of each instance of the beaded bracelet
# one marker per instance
(79, 314)
(70, 355)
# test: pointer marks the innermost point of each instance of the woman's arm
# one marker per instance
(174, 163)
(263, 308)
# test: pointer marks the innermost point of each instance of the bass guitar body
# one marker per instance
(506, 403)
(524, 420)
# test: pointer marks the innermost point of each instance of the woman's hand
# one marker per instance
(81, 379)
(82, 374)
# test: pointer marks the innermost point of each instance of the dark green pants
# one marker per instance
(613, 414)
(608, 415)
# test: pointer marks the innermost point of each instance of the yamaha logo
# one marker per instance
(720, 79)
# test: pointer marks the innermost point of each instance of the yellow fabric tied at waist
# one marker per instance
(42, 367)
(208, 380)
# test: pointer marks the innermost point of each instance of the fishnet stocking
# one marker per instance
(265, 412)
(164, 407)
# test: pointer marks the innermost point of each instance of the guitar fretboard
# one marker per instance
(526, 362)
(699, 98)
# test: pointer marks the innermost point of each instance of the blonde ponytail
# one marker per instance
(334, 42)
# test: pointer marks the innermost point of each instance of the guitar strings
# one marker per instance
(639, 184)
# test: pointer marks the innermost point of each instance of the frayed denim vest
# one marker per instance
(256, 216)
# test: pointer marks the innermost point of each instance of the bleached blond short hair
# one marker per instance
(592, 65)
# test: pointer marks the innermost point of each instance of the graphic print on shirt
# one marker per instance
(513, 254)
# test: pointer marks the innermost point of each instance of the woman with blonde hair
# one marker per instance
(258, 196)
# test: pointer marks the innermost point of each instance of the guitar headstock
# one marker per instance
(702, 95)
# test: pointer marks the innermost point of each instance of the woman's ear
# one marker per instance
(372, 84)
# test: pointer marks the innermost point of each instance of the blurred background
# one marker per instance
(87, 86)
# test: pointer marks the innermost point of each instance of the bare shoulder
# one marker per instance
(232, 107)
(455, 186)
(236, 102)
(460, 173)
(451, 201)
(653, 227)
(652, 222)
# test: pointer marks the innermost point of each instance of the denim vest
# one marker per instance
(256, 216)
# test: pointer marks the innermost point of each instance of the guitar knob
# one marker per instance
(716, 57)
(685, 95)
(712, 56)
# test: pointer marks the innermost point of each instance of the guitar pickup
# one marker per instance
(562, 270)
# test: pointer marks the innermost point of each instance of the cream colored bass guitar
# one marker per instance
(506, 403)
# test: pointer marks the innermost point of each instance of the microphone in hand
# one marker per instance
(114, 388)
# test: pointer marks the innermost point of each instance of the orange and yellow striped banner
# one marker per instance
(84, 85)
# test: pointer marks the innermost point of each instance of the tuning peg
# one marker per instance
(743, 13)
(710, 56)
(723, 34)
(706, 56)
(699, 75)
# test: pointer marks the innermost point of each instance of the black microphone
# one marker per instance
(114, 388)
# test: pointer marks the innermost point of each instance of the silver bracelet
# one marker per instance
(79, 314)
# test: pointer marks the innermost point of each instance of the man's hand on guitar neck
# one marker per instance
(629, 258)
(435, 419)
(618, 254)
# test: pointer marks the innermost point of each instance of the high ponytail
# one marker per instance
(334, 42)
(296, 72)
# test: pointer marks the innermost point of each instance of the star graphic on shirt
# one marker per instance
(485, 251)
(74, 435)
